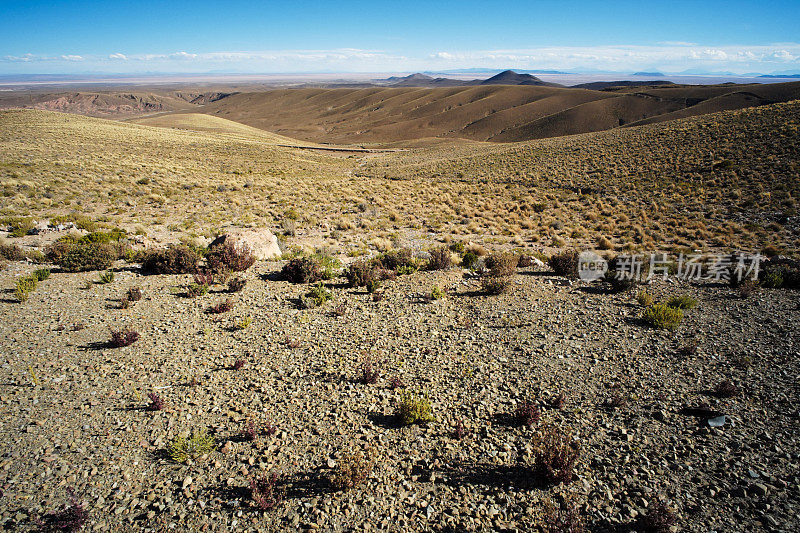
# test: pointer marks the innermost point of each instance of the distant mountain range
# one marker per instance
(507, 77)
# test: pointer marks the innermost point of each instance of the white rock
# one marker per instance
(262, 243)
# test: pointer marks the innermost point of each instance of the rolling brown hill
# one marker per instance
(498, 113)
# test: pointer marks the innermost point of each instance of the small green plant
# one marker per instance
(414, 410)
(772, 279)
(644, 298)
(403, 270)
(437, 294)
(193, 290)
(182, 448)
(21, 227)
(106, 277)
(41, 274)
(317, 296)
(662, 316)
(684, 301)
(331, 267)
(25, 286)
(469, 260)
(82, 257)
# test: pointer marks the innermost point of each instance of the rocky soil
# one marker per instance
(74, 417)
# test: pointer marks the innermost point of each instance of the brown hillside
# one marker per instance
(483, 113)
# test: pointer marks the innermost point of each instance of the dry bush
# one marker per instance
(351, 470)
(174, 259)
(502, 265)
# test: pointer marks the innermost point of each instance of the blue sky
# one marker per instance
(379, 36)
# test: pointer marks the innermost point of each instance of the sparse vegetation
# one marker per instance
(183, 448)
(526, 414)
(122, 338)
(317, 296)
(265, 492)
(662, 316)
(440, 258)
(351, 470)
(175, 259)
(684, 301)
(220, 307)
(228, 257)
(302, 270)
(554, 455)
(565, 264)
(414, 410)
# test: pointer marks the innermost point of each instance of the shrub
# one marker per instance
(134, 294)
(25, 285)
(684, 301)
(238, 364)
(236, 284)
(469, 260)
(565, 518)
(554, 456)
(21, 227)
(220, 307)
(193, 290)
(558, 401)
(72, 518)
(662, 316)
(156, 402)
(330, 266)
(229, 257)
(565, 264)
(41, 274)
(526, 414)
(644, 299)
(502, 265)
(182, 449)
(395, 259)
(726, 389)
(11, 252)
(491, 285)
(302, 270)
(658, 519)
(772, 278)
(82, 257)
(396, 383)
(317, 296)
(437, 294)
(414, 410)
(440, 258)
(459, 431)
(122, 338)
(265, 492)
(369, 372)
(250, 431)
(174, 259)
(361, 273)
(620, 282)
(351, 470)
(106, 277)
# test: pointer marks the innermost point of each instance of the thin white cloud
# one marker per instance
(668, 57)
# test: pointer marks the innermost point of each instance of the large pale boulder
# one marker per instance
(262, 243)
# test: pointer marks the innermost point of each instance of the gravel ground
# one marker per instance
(74, 417)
